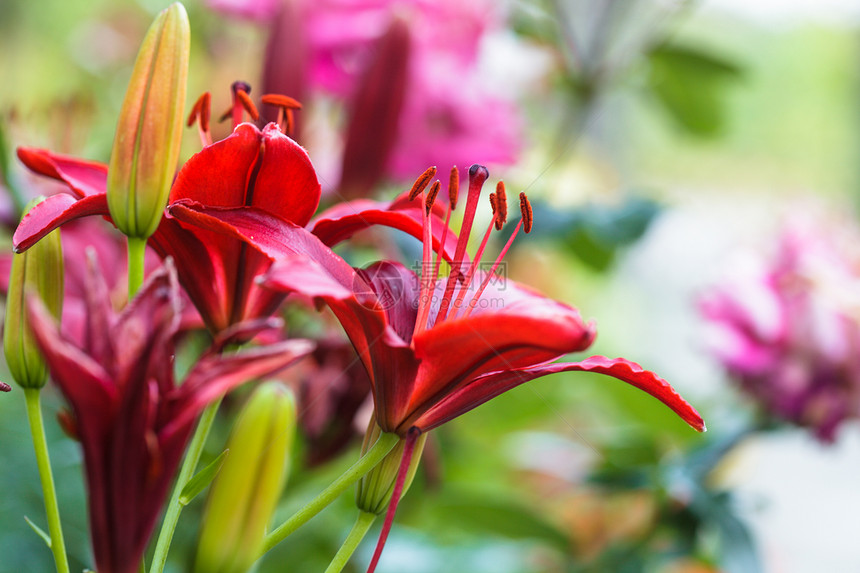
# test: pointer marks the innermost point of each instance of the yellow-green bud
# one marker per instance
(376, 488)
(149, 130)
(38, 271)
(245, 492)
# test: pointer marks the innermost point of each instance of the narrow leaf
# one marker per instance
(202, 479)
(39, 531)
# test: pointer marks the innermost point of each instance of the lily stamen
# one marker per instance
(526, 224)
(453, 192)
(201, 113)
(426, 287)
(285, 105)
(497, 209)
(425, 302)
(477, 175)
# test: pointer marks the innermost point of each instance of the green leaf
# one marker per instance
(39, 531)
(202, 479)
(737, 551)
(692, 86)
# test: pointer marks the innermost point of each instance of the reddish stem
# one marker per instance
(405, 460)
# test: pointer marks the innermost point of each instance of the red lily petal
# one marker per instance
(396, 288)
(83, 177)
(200, 269)
(287, 183)
(271, 235)
(216, 375)
(521, 334)
(92, 389)
(382, 351)
(342, 221)
(491, 385)
(219, 174)
(252, 168)
(53, 212)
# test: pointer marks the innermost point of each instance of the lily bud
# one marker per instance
(245, 493)
(376, 488)
(39, 271)
(149, 131)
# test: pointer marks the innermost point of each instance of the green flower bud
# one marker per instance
(245, 492)
(149, 131)
(377, 486)
(38, 271)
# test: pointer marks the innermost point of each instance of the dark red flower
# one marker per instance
(132, 419)
(250, 168)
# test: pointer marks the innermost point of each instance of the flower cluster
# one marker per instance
(237, 232)
(787, 329)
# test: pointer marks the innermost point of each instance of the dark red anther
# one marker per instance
(502, 205)
(526, 209)
(495, 208)
(422, 182)
(431, 195)
(453, 187)
(5, 387)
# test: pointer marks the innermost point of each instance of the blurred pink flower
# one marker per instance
(449, 115)
(788, 329)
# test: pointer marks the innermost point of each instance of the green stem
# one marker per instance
(367, 462)
(174, 508)
(37, 429)
(136, 252)
(359, 530)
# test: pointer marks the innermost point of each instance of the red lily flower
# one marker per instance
(132, 418)
(250, 168)
(432, 353)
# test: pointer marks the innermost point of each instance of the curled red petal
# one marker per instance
(534, 330)
(491, 385)
(83, 177)
(53, 212)
(343, 221)
(216, 375)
